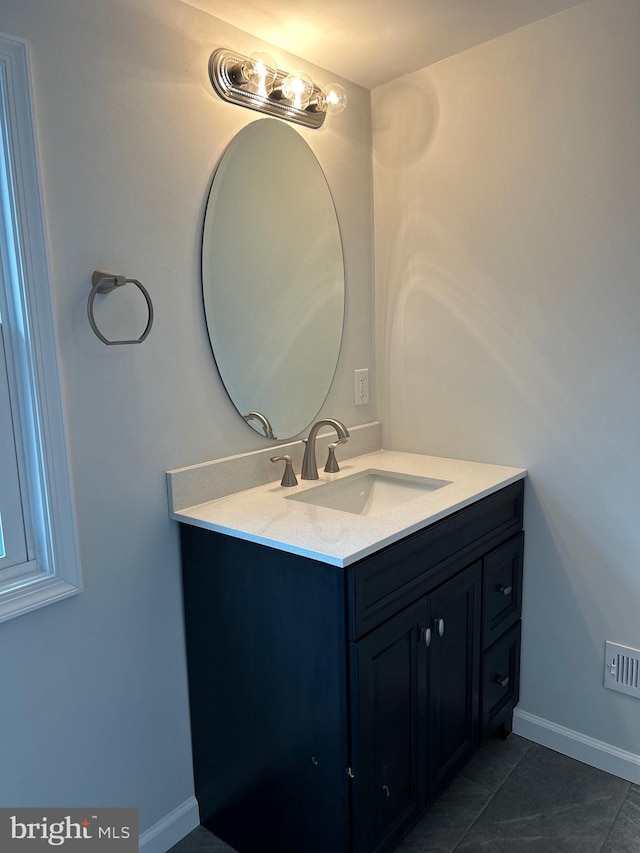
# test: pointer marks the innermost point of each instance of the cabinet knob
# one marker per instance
(502, 680)
(438, 624)
(426, 636)
(505, 590)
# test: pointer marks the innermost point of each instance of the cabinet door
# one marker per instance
(388, 680)
(454, 683)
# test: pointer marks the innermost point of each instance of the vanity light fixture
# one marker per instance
(255, 82)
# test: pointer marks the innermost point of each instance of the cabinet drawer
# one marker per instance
(502, 589)
(390, 580)
(500, 680)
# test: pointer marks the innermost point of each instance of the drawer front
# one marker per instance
(390, 580)
(502, 589)
(500, 680)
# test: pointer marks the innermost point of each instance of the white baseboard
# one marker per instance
(590, 751)
(171, 828)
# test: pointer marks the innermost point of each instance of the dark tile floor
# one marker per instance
(514, 797)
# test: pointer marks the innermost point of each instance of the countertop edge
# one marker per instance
(189, 516)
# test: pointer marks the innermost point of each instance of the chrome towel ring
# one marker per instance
(104, 282)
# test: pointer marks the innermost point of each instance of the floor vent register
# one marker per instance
(622, 669)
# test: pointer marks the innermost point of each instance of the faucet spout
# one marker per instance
(309, 464)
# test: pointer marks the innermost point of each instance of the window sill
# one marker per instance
(32, 594)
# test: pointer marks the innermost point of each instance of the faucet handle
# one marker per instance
(288, 478)
(332, 466)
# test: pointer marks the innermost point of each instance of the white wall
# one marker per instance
(94, 704)
(507, 212)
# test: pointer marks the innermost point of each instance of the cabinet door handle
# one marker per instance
(385, 788)
(502, 680)
(505, 590)
(438, 624)
(426, 636)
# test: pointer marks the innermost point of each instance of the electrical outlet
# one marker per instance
(361, 388)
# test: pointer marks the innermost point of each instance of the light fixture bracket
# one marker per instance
(221, 65)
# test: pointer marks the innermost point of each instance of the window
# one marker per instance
(13, 545)
(38, 551)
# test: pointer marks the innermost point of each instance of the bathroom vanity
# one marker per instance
(334, 695)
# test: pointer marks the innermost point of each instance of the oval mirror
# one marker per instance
(273, 278)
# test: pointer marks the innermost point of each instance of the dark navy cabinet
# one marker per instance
(329, 706)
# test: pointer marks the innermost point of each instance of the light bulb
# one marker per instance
(258, 70)
(298, 88)
(333, 98)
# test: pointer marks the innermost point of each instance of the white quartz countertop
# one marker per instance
(265, 515)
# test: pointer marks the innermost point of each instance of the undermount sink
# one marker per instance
(370, 492)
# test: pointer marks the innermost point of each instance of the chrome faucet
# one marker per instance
(309, 465)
